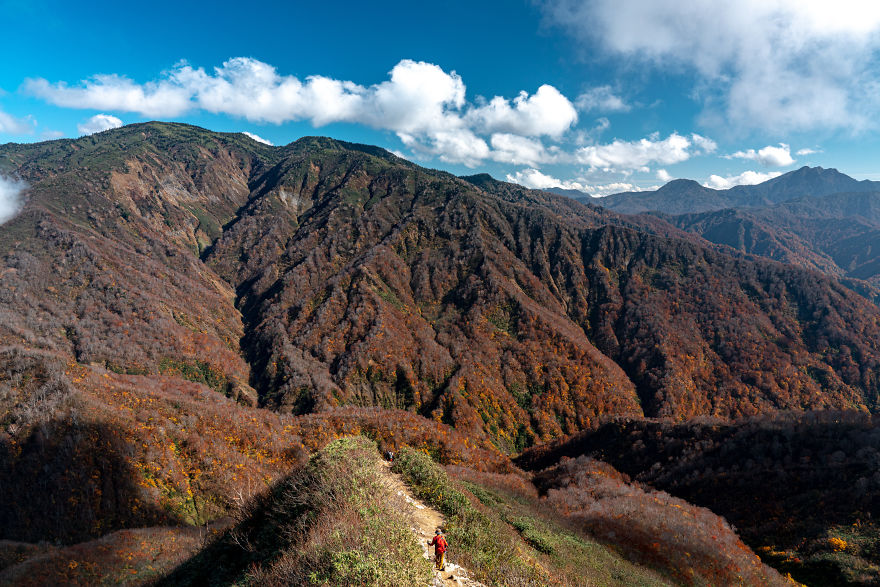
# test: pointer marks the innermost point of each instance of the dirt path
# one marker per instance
(425, 520)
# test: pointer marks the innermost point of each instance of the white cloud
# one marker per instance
(704, 144)
(601, 99)
(547, 112)
(633, 155)
(805, 152)
(113, 92)
(423, 104)
(517, 150)
(664, 176)
(257, 138)
(98, 123)
(776, 65)
(746, 178)
(452, 146)
(10, 197)
(600, 191)
(769, 156)
(535, 179)
(14, 126)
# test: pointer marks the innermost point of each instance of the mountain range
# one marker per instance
(685, 196)
(167, 286)
(816, 218)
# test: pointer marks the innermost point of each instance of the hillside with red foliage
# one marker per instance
(187, 315)
(325, 274)
(803, 489)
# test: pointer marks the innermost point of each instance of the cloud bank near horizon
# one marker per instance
(425, 106)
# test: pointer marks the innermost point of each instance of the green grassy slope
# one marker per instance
(332, 522)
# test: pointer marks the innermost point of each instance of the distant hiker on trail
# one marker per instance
(439, 544)
(390, 455)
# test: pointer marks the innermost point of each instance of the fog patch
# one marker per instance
(10, 197)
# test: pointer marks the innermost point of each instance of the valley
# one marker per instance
(195, 325)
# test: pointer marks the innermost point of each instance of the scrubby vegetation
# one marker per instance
(125, 557)
(88, 451)
(332, 522)
(186, 317)
(497, 529)
(802, 489)
(653, 528)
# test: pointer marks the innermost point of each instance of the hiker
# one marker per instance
(390, 456)
(440, 545)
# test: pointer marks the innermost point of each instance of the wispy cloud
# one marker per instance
(761, 64)
(15, 126)
(98, 123)
(601, 99)
(10, 197)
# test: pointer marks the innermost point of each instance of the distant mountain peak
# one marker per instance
(679, 184)
(686, 196)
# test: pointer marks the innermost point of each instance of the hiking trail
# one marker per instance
(425, 520)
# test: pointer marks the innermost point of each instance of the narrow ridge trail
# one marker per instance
(424, 521)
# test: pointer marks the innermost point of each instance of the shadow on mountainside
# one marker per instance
(70, 481)
(802, 489)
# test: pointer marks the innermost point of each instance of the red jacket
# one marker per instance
(439, 543)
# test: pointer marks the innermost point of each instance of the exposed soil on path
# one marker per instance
(425, 520)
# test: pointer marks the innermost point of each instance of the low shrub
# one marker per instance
(332, 522)
(498, 530)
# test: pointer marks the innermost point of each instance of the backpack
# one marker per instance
(441, 544)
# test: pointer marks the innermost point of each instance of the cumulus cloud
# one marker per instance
(422, 103)
(98, 123)
(14, 126)
(768, 64)
(517, 150)
(664, 176)
(10, 197)
(601, 99)
(547, 112)
(534, 179)
(746, 178)
(257, 138)
(636, 155)
(769, 156)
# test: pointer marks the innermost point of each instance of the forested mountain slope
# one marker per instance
(327, 274)
(685, 196)
(186, 316)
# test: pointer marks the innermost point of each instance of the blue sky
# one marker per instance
(599, 95)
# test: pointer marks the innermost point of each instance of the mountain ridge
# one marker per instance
(686, 196)
(187, 315)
